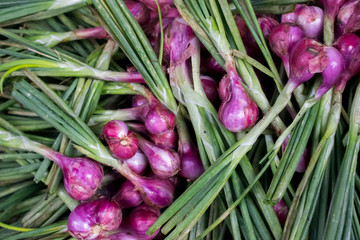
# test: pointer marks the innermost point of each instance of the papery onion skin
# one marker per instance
(127, 196)
(140, 220)
(92, 220)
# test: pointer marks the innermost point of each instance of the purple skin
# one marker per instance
(304, 161)
(191, 164)
(348, 18)
(138, 163)
(158, 193)
(159, 119)
(309, 18)
(168, 139)
(127, 196)
(122, 142)
(212, 66)
(82, 176)
(141, 219)
(349, 47)
(177, 38)
(266, 25)
(282, 39)
(92, 220)
(138, 100)
(332, 72)
(281, 211)
(307, 57)
(164, 163)
(140, 12)
(210, 88)
(162, 3)
(237, 111)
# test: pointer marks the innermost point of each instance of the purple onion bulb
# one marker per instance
(307, 57)
(123, 236)
(210, 88)
(156, 192)
(141, 219)
(138, 100)
(333, 71)
(122, 142)
(82, 176)
(92, 220)
(140, 12)
(212, 66)
(281, 211)
(311, 20)
(159, 119)
(348, 17)
(138, 163)
(267, 24)
(191, 165)
(349, 47)
(237, 111)
(127, 196)
(163, 162)
(168, 139)
(282, 39)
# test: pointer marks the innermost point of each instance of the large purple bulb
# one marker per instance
(191, 164)
(349, 47)
(282, 39)
(237, 111)
(159, 119)
(138, 163)
(311, 20)
(82, 176)
(347, 18)
(167, 139)
(164, 162)
(127, 196)
(156, 192)
(141, 219)
(122, 142)
(92, 220)
(307, 57)
(332, 72)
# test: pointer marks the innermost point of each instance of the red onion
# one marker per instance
(159, 119)
(93, 220)
(141, 218)
(212, 66)
(348, 17)
(191, 165)
(349, 46)
(138, 100)
(304, 161)
(309, 57)
(282, 39)
(153, 7)
(309, 18)
(156, 192)
(164, 162)
(122, 142)
(167, 139)
(237, 111)
(82, 176)
(210, 88)
(140, 12)
(266, 25)
(177, 38)
(127, 196)
(138, 163)
(281, 211)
